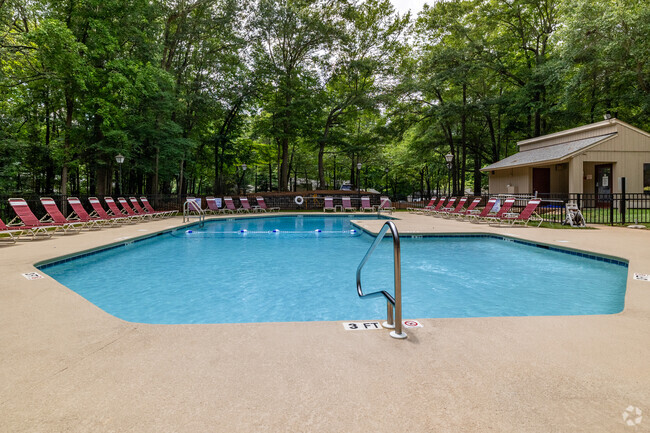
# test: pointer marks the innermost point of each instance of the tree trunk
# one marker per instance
(421, 182)
(101, 176)
(284, 166)
(217, 168)
(493, 139)
(180, 181)
(321, 166)
(321, 150)
(463, 143)
(477, 172)
(69, 107)
(49, 169)
(155, 175)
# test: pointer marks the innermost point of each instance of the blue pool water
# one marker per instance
(242, 270)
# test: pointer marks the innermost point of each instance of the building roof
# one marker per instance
(556, 152)
(582, 129)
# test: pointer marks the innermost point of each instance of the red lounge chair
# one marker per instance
(99, 212)
(212, 205)
(55, 216)
(436, 208)
(455, 211)
(347, 205)
(79, 214)
(130, 212)
(17, 231)
(422, 209)
(150, 209)
(446, 208)
(115, 211)
(245, 206)
(385, 204)
(365, 204)
(9, 234)
(230, 206)
(28, 220)
(262, 204)
(138, 209)
(525, 216)
(475, 216)
(470, 208)
(504, 209)
(329, 204)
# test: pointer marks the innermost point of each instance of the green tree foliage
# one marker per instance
(190, 90)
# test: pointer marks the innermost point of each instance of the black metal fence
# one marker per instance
(596, 208)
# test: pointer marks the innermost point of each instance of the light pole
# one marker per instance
(120, 159)
(359, 165)
(243, 177)
(450, 163)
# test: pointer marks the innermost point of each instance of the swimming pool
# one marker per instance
(283, 269)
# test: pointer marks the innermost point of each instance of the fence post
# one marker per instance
(578, 201)
(611, 209)
(622, 205)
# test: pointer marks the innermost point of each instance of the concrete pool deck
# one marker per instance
(67, 366)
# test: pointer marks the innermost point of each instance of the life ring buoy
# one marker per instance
(299, 200)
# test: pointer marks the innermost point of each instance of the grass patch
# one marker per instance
(604, 216)
(550, 225)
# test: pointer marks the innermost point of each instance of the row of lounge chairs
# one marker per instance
(229, 205)
(27, 224)
(491, 213)
(346, 204)
(245, 205)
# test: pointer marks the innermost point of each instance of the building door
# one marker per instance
(542, 180)
(603, 185)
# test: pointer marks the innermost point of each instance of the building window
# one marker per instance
(646, 178)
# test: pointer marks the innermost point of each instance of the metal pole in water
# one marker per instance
(389, 323)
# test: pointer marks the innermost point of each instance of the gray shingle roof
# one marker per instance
(549, 153)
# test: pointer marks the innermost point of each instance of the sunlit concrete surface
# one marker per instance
(67, 366)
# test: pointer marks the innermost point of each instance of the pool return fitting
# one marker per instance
(392, 320)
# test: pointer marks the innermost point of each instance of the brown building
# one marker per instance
(590, 159)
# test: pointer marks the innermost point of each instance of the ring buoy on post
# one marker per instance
(299, 200)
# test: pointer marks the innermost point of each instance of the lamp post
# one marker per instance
(359, 165)
(120, 159)
(450, 163)
(243, 177)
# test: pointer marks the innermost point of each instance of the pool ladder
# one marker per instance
(393, 320)
(191, 206)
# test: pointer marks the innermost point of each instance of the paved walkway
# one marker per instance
(66, 366)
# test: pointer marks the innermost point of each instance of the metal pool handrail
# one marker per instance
(395, 301)
(192, 206)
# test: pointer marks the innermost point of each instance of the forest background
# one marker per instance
(191, 92)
